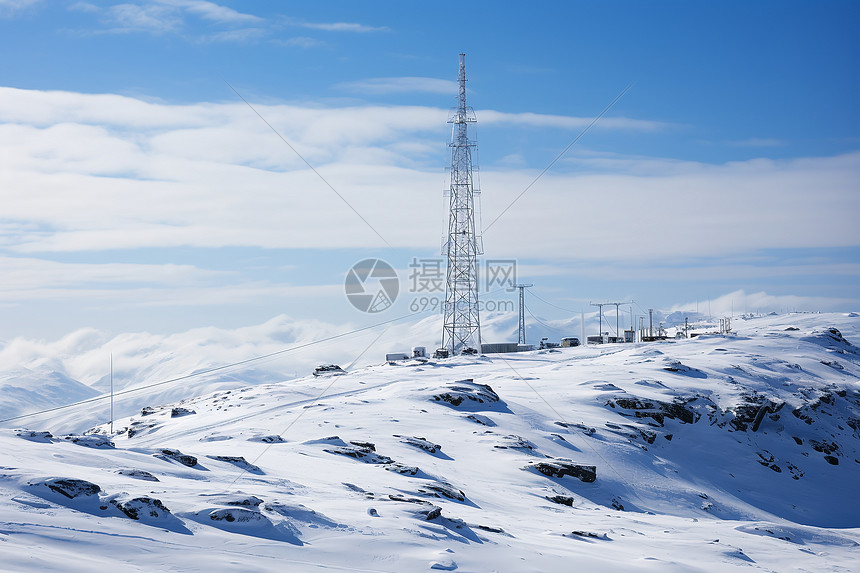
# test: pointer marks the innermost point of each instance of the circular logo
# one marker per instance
(371, 285)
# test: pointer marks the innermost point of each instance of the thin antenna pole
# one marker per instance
(582, 327)
(111, 392)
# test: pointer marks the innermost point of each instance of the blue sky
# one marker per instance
(140, 193)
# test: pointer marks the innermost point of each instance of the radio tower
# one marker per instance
(461, 328)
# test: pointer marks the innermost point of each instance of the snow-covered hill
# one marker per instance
(710, 454)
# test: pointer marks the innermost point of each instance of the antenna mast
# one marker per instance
(461, 326)
(521, 334)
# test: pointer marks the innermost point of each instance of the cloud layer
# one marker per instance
(86, 176)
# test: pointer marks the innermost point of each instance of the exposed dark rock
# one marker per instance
(648, 435)
(441, 489)
(143, 506)
(428, 511)
(177, 456)
(364, 445)
(617, 505)
(656, 410)
(589, 534)
(273, 439)
(431, 512)
(801, 415)
(399, 468)
(832, 460)
(795, 471)
(467, 390)
(560, 468)
(404, 499)
(421, 443)
(148, 411)
(91, 441)
(360, 453)
(139, 427)
(561, 500)
(34, 436)
(824, 446)
(479, 419)
(490, 528)
(177, 412)
(137, 474)
(238, 461)
(515, 443)
(745, 413)
(588, 431)
(676, 366)
(250, 501)
(237, 514)
(797, 440)
(72, 488)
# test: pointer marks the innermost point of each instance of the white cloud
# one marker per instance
(491, 117)
(299, 42)
(212, 11)
(89, 172)
(342, 27)
(169, 16)
(758, 142)
(740, 302)
(240, 35)
(11, 8)
(142, 18)
(402, 85)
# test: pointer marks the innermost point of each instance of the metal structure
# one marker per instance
(461, 325)
(600, 306)
(521, 334)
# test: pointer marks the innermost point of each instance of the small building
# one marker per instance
(502, 347)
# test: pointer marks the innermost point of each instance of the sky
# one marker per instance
(178, 164)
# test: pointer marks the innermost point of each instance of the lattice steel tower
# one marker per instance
(461, 328)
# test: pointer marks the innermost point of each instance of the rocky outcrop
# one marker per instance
(177, 456)
(655, 410)
(239, 462)
(420, 443)
(469, 395)
(143, 506)
(442, 489)
(72, 488)
(90, 441)
(559, 468)
(137, 474)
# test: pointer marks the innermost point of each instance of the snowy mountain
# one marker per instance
(710, 454)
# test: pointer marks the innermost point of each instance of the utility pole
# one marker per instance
(461, 324)
(111, 393)
(651, 323)
(599, 306)
(521, 334)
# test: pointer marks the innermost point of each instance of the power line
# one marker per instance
(560, 155)
(543, 323)
(323, 179)
(562, 418)
(302, 411)
(551, 304)
(211, 370)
